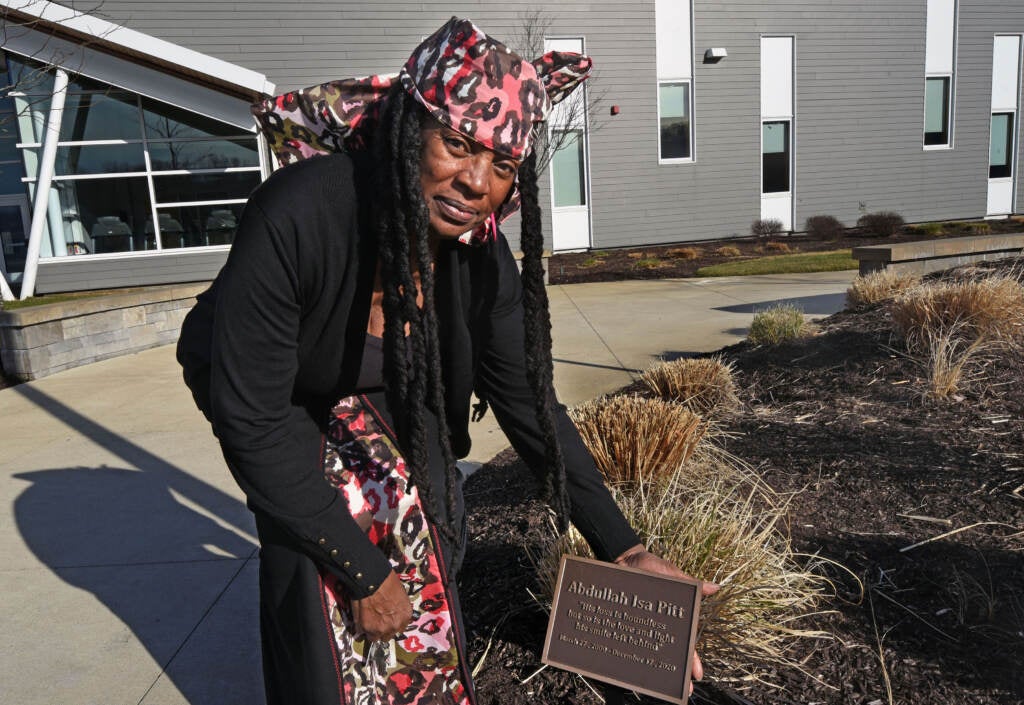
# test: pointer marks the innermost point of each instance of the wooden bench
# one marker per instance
(934, 255)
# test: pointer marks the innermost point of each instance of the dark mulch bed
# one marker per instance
(683, 260)
(840, 418)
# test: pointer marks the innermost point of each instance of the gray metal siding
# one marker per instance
(859, 95)
(83, 273)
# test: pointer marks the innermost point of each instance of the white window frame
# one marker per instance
(689, 107)
(951, 75)
(671, 77)
(788, 121)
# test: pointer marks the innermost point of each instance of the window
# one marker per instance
(674, 119)
(939, 66)
(674, 61)
(936, 111)
(133, 173)
(775, 157)
(567, 171)
(1000, 152)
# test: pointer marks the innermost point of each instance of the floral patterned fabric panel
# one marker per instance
(421, 666)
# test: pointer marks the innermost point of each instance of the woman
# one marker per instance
(368, 293)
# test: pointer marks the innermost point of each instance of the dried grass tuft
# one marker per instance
(777, 325)
(948, 356)
(873, 288)
(632, 438)
(705, 386)
(721, 523)
(775, 246)
(990, 309)
(728, 251)
(684, 253)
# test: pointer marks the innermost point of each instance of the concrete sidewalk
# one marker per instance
(130, 559)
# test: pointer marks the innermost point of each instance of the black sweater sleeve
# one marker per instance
(501, 379)
(272, 443)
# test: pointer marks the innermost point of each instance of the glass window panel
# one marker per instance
(99, 159)
(13, 238)
(1000, 155)
(775, 157)
(105, 215)
(10, 179)
(28, 76)
(936, 111)
(98, 116)
(165, 121)
(199, 226)
(204, 187)
(567, 169)
(204, 154)
(674, 112)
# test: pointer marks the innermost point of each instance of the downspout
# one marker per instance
(43, 183)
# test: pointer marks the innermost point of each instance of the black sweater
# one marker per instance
(279, 337)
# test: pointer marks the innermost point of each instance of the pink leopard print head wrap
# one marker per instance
(464, 78)
(478, 86)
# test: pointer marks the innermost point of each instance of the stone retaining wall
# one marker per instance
(41, 340)
(935, 255)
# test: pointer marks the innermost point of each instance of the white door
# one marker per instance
(569, 161)
(14, 220)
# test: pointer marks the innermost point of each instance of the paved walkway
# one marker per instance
(129, 572)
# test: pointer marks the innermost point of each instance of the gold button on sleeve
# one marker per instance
(359, 576)
(372, 587)
(321, 541)
(347, 564)
(334, 552)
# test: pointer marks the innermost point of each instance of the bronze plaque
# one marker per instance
(624, 626)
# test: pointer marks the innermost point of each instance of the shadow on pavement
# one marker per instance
(155, 545)
(817, 305)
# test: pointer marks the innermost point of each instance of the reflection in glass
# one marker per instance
(204, 154)
(165, 121)
(674, 111)
(95, 116)
(936, 111)
(104, 215)
(13, 239)
(1000, 151)
(100, 159)
(201, 225)
(204, 187)
(567, 169)
(775, 157)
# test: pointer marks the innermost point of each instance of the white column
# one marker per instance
(43, 182)
(5, 290)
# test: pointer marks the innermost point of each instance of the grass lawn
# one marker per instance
(833, 261)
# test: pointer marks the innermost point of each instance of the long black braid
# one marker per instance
(539, 366)
(412, 364)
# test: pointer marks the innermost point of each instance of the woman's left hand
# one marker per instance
(640, 558)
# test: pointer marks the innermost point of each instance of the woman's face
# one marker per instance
(463, 181)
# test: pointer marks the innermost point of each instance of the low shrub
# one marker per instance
(728, 251)
(879, 286)
(776, 246)
(684, 253)
(650, 263)
(722, 524)
(632, 438)
(704, 385)
(776, 325)
(990, 309)
(824, 227)
(766, 227)
(883, 224)
(929, 229)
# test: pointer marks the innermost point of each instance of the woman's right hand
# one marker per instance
(384, 614)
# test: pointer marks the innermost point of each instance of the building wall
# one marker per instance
(859, 97)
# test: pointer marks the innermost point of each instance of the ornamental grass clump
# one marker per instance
(704, 385)
(873, 288)
(777, 325)
(988, 309)
(632, 438)
(718, 521)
